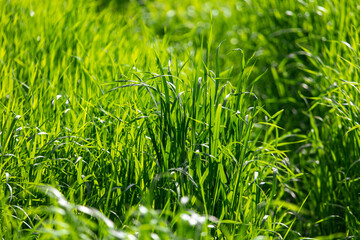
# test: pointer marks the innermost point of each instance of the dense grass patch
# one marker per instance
(179, 120)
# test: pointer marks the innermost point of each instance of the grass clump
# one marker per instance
(136, 120)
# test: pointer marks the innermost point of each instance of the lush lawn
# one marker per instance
(185, 119)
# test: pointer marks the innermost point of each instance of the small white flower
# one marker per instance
(185, 217)
(143, 210)
(184, 200)
(192, 221)
(154, 236)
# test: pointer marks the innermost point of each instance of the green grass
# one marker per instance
(179, 120)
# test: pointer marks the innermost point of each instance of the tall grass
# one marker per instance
(137, 120)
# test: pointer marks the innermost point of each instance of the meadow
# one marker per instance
(144, 119)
